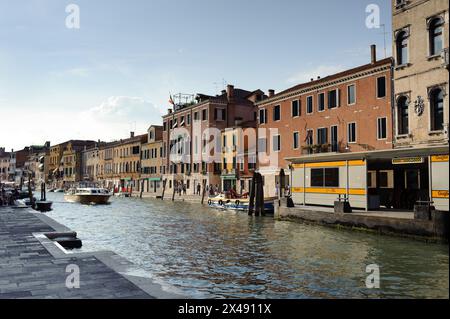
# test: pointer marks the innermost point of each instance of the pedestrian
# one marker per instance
(184, 189)
(198, 189)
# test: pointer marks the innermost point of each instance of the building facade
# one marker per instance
(127, 163)
(420, 48)
(192, 136)
(342, 113)
(238, 157)
(71, 162)
(5, 160)
(151, 161)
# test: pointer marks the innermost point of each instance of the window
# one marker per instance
(386, 179)
(309, 137)
(276, 145)
(381, 87)
(220, 114)
(321, 102)
(403, 116)
(276, 113)
(296, 140)
(204, 115)
(351, 133)
(262, 144)
(334, 139)
(372, 179)
(309, 105)
(351, 94)
(165, 126)
(382, 128)
(435, 32)
(195, 116)
(295, 108)
(333, 99)
(402, 48)
(322, 136)
(262, 116)
(188, 119)
(325, 177)
(437, 110)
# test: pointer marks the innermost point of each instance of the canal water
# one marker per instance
(207, 253)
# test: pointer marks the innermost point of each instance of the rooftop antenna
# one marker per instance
(384, 39)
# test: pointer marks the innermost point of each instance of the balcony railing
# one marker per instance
(320, 148)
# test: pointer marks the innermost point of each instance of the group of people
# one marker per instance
(211, 190)
(8, 196)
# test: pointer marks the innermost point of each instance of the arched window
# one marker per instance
(402, 48)
(435, 33)
(403, 116)
(437, 109)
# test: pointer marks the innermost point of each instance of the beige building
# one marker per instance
(151, 161)
(421, 119)
(127, 163)
(420, 48)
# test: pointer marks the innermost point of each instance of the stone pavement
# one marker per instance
(29, 270)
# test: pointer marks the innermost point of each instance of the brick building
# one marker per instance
(346, 112)
(192, 150)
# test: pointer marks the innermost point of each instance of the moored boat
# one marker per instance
(222, 201)
(88, 196)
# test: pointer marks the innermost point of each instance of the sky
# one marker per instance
(114, 73)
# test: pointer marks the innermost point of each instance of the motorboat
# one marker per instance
(240, 203)
(88, 196)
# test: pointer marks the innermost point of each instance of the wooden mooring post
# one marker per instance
(164, 188)
(251, 204)
(204, 191)
(142, 189)
(259, 196)
(174, 185)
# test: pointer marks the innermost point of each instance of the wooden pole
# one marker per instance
(142, 189)
(251, 204)
(204, 191)
(259, 200)
(164, 188)
(174, 184)
(30, 193)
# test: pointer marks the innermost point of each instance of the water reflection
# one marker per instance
(208, 253)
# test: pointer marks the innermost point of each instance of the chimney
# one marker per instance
(224, 92)
(131, 134)
(271, 93)
(170, 111)
(373, 53)
(230, 91)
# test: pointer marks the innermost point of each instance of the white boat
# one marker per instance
(222, 201)
(88, 196)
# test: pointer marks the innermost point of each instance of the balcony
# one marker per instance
(320, 148)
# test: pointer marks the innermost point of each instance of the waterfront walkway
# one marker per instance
(29, 268)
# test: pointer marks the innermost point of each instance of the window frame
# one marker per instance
(378, 129)
(324, 102)
(385, 87)
(310, 98)
(278, 143)
(338, 104)
(348, 95)
(277, 106)
(298, 140)
(348, 133)
(298, 108)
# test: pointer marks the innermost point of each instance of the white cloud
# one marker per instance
(120, 108)
(322, 71)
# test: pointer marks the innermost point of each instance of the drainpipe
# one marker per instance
(430, 179)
